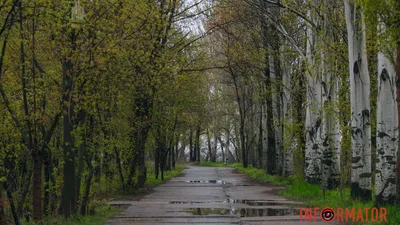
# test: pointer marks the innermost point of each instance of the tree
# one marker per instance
(360, 103)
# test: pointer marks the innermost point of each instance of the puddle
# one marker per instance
(244, 212)
(208, 211)
(259, 203)
(205, 181)
(182, 202)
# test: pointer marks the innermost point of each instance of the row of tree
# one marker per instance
(85, 88)
(299, 74)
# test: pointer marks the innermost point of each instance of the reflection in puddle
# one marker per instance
(206, 181)
(259, 203)
(182, 202)
(244, 212)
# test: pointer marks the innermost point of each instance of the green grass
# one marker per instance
(107, 190)
(254, 173)
(111, 189)
(311, 194)
(103, 214)
(151, 179)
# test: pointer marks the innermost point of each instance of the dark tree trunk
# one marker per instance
(25, 187)
(48, 168)
(168, 166)
(176, 152)
(209, 145)
(69, 201)
(271, 148)
(81, 154)
(3, 219)
(37, 187)
(157, 161)
(191, 145)
(222, 149)
(197, 143)
(12, 204)
(85, 198)
(214, 155)
(118, 162)
(243, 144)
(10, 167)
(132, 171)
(260, 154)
(143, 113)
(173, 157)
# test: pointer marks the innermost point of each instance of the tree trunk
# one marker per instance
(313, 147)
(191, 146)
(168, 166)
(143, 107)
(360, 104)
(88, 182)
(243, 143)
(237, 140)
(48, 168)
(386, 132)
(275, 87)
(222, 149)
(331, 133)
(3, 219)
(209, 145)
(69, 155)
(175, 152)
(81, 153)
(398, 119)
(197, 143)
(25, 187)
(120, 171)
(271, 135)
(141, 159)
(287, 119)
(227, 142)
(12, 204)
(214, 155)
(157, 161)
(37, 188)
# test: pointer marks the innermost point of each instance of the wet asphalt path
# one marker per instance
(211, 196)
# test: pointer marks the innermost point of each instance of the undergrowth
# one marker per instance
(108, 189)
(101, 216)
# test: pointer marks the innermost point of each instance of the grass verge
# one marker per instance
(103, 212)
(312, 195)
(101, 216)
(167, 175)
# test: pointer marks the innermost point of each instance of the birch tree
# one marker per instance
(387, 122)
(330, 131)
(313, 152)
(360, 103)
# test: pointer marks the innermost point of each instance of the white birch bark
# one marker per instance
(331, 141)
(360, 104)
(287, 119)
(313, 152)
(386, 132)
